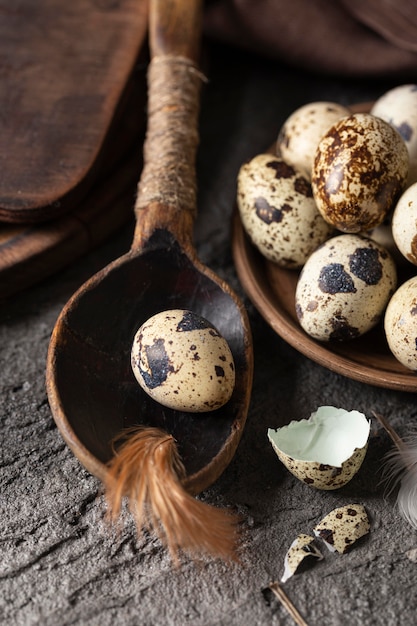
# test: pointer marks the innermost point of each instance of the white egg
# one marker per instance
(400, 324)
(326, 450)
(404, 224)
(398, 107)
(301, 133)
(182, 362)
(278, 211)
(344, 287)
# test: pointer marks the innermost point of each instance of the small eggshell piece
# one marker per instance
(360, 169)
(182, 362)
(326, 450)
(302, 131)
(343, 527)
(278, 211)
(344, 287)
(301, 548)
(400, 324)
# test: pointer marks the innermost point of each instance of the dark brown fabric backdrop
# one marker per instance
(375, 38)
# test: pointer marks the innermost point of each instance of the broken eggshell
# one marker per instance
(301, 548)
(342, 527)
(326, 450)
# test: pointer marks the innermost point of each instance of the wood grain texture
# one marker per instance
(64, 70)
(33, 251)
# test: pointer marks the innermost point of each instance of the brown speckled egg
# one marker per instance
(400, 324)
(343, 527)
(404, 224)
(398, 107)
(182, 362)
(360, 169)
(302, 131)
(302, 547)
(325, 451)
(278, 211)
(344, 287)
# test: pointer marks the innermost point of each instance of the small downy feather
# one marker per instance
(147, 469)
(401, 469)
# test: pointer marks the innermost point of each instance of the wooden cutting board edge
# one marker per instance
(58, 116)
(30, 253)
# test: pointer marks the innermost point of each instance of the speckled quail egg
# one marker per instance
(360, 170)
(398, 107)
(343, 527)
(326, 450)
(400, 324)
(182, 362)
(278, 211)
(344, 287)
(301, 133)
(302, 548)
(404, 224)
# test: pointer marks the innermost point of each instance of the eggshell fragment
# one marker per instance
(301, 548)
(342, 527)
(278, 211)
(404, 224)
(360, 169)
(344, 287)
(302, 131)
(400, 324)
(326, 450)
(182, 362)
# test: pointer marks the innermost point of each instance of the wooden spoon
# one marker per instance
(91, 388)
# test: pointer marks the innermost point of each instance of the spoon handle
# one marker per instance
(175, 28)
(167, 188)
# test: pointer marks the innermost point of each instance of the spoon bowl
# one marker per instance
(91, 388)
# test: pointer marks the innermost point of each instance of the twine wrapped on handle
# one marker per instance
(168, 176)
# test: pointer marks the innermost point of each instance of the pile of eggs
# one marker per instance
(338, 202)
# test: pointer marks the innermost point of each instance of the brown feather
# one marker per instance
(147, 469)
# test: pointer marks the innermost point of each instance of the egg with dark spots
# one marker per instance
(302, 131)
(278, 211)
(398, 107)
(182, 361)
(360, 170)
(344, 287)
(400, 324)
(404, 224)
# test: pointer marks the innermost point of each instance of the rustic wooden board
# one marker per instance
(64, 71)
(31, 252)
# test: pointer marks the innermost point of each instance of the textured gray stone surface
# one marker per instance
(61, 564)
